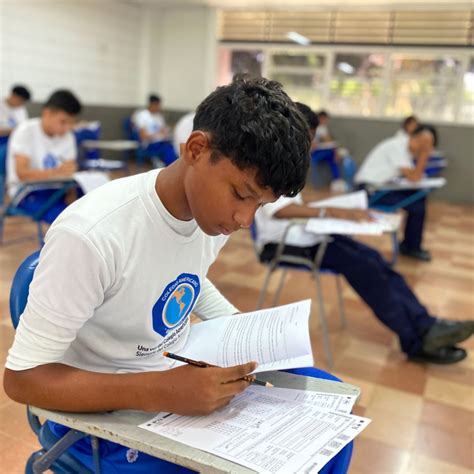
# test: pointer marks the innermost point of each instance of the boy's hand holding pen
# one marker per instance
(197, 363)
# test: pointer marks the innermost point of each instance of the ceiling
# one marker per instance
(314, 4)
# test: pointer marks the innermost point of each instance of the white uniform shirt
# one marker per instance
(271, 229)
(383, 163)
(43, 151)
(182, 130)
(117, 279)
(10, 117)
(152, 123)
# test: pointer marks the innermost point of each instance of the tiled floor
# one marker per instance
(423, 416)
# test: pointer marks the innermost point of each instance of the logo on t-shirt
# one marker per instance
(50, 161)
(175, 303)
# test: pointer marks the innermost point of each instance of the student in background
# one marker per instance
(94, 343)
(182, 130)
(153, 132)
(394, 158)
(43, 148)
(323, 134)
(423, 337)
(408, 126)
(13, 110)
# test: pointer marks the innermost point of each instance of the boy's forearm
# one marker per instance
(65, 388)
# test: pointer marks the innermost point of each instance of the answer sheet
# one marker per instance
(269, 430)
(275, 338)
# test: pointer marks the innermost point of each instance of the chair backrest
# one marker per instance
(131, 133)
(21, 286)
(3, 172)
(90, 131)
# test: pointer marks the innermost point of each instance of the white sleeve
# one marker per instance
(141, 120)
(69, 284)
(21, 142)
(272, 208)
(212, 303)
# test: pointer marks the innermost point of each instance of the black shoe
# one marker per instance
(418, 254)
(447, 333)
(443, 355)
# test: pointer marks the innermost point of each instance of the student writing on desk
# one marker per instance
(44, 148)
(393, 158)
(153, 132)
(422, 337)
(93, 333)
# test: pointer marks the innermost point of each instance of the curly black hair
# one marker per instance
(256, 125)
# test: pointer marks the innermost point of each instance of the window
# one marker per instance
(233, 62)
(425, 85)
(356, 83)
(466, 113)
(302, 74)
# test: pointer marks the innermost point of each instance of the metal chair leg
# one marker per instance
(280, 286)
(322, 320)
(263, 291)
(95, 454)
(395, 248)
(340, 300)
(42, 463)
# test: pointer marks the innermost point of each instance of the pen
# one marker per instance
(200, 363)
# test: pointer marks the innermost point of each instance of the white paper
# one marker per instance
(403, 183)
(329, 225)
(275, 338)
(357, 200)
(90, 180)
(265, 432)
(328, 401)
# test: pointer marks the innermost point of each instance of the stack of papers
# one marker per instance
(269, 430)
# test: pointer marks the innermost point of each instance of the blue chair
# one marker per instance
(53, 454)
(89, 158)
(289, 262)
(59, 189)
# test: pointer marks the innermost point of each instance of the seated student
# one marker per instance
(43, 148)
(95, 342)
(154, 134)
(408, 126)
(13, 110)
(422, 337)
(393, 158)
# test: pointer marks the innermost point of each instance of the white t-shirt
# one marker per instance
(117, 279)
(383, 163)
(10, 117)
(271, 229)
(152, 123)
(182, 130)
(43, 151)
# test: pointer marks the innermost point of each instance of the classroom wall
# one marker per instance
(182, 53)
(90, 47)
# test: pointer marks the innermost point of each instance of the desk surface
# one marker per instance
(115, 145)
(122, 427)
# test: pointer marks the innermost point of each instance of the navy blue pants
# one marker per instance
(416, 212)
(164, 150)
(383, 289)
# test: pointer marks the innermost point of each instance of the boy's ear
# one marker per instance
(197, 146)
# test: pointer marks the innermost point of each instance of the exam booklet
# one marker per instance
(275, 338)
(278, 431)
